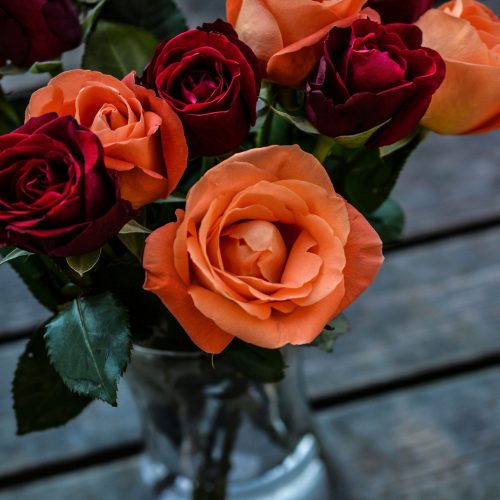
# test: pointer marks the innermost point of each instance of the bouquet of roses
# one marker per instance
(224, 190)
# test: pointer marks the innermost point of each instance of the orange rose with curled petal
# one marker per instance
(265, 251)
(467, 35)
(286, 35)
(143, 138)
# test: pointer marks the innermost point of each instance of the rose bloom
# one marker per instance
(467, 34)
(369, 74)
(400, 11)
(56, 195)
(143, 138)
(266, 251)
(36, 30)
(211, 80)
(286, 35)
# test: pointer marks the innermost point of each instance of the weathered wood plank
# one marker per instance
(440, 441)
(115, 481)
(450, 181)
(100, 427)
(429, 307)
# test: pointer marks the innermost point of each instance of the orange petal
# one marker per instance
(364, 258)
(301, 326)
(163, 280)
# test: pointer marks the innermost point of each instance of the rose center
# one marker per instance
(254, 248)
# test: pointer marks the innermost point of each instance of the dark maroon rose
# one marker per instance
(211, 79)
(56, 195)
(400, 11)
(36, 30)
(369, 74)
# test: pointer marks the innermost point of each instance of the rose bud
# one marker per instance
(211, 80)
(143, 138)
(400, 11)
(266, 251)
(287, 35)
(369, 74)
(56, 196)
(467, 34)
(36, 30)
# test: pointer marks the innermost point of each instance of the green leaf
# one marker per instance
(257, 363)
(389, 221)
(91, 18)
(82, 264)
(36, 276)
(15, 254)
(51, 67)
(89, 345)
(370, 178)
(301, 122)
(134, 242)
(391, 148)
(118, 49)
(358, 140)
(133, 227)
(162, 18)
(41, 399)
(332, 331)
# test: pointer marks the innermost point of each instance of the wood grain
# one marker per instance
(440, 441)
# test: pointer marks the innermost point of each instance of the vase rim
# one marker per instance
(167, 354)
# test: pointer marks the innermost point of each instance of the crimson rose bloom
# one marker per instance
(400, 11)
(210, 78)
(56, 195)
(369, 74)
(36, 30)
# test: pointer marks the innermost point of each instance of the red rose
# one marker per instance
(36, 30)
(210, 78)
(56, 196)
(369, 74)
(400, 11)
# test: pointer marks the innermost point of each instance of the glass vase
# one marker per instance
(211, 433)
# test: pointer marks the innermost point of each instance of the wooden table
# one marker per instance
(408, 406)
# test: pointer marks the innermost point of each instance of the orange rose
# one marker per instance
(286, 35)
(143, 138)
(266, 251)
(467, 35)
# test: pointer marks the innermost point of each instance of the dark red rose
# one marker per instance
(400, 11)
(371, 73)
(56, 195)
(211, 79)
(36, 30)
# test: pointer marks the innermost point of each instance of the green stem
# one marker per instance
(323, 147)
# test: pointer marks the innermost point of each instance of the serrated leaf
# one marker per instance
(82, 264)
(133, 227)
(89, 345)
(41, 399)
(389, 221)
(162, 18)
(257, 363)
(332, 331)
(118, 49)
(15, 254)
